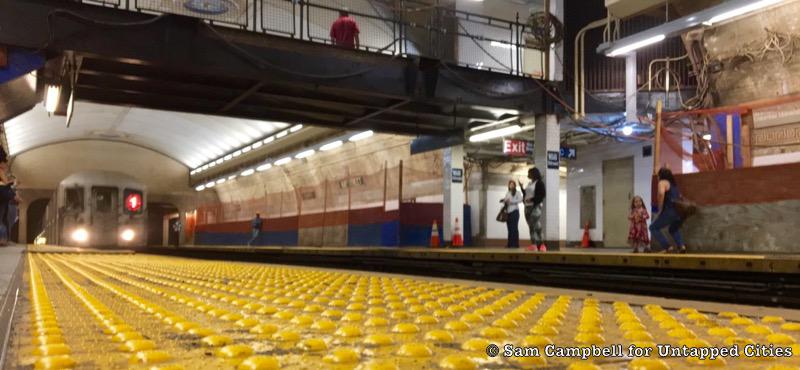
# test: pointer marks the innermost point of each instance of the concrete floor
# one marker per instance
(9, 259)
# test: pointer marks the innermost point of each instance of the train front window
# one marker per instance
(74, 199)
(104, 199)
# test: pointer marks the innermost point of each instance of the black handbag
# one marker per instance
(685, 208)
(502, 216)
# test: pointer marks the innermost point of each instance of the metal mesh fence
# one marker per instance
(388, 27)
(280, 16)
(485, 43)
(114, 3)
(378, 29)
(236, 12)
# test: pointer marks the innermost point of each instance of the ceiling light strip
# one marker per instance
(324, 146)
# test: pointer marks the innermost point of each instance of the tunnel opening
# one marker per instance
(35, 222)
(160, 232)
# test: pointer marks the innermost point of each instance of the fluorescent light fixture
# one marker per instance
(269, 140)
(220, 181)
(228, 157)
(304, 154)
(200, 188)
(51, 98)
(707, 137)
(264, 167)
(247, 149)
(498, 44)
(283, 161)
(295, 128)
(740, 11)
(210, 184)
(211, 164)
(361, 135)
(248, 172)
(258, 145)
(282, 134)
(331, 146)
(231, 177)
(505, 131)
(495, 123)
(219, 161)
(627, 130)
(636, 45)
(205, 167)
(237, 153)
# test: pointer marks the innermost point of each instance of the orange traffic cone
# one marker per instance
(587, 241)
(458, 241)
(435, 235)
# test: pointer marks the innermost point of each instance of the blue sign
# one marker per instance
(569, 153)
(20, 62)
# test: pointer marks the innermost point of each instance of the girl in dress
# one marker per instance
(637, 235)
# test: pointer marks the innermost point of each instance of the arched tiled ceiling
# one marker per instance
(191, 139)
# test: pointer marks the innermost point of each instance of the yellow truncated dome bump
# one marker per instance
(414, 350)
(136, 345)
(313, 345)
(475, 345)
(378, 340)
(647, 364)
(217, 340)
(457, 326)
(780, 339)
(150, 357)
(264, 329)
(235, 351)
(405, 328)
(583, 365)
(52, 350)
(439, 336)
(55, 362)
(342, 356)
(349, 331)
(260, 363)
(458, 362)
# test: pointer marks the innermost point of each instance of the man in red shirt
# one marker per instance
(344, 31)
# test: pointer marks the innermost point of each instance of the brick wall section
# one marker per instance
(742, 186)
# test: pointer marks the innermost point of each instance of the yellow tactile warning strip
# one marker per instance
(778, 263)
(120, 311)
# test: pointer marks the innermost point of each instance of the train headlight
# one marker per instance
(80, 235)
(127, 235)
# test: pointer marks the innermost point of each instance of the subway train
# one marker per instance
(97, 209)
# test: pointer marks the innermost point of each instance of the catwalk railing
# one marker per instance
(394, 28)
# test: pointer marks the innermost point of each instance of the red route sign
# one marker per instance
(133, 202)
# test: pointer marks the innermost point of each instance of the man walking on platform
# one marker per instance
(256, 228)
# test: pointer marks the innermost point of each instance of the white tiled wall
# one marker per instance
(587, 170)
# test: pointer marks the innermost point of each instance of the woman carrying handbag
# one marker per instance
(510, 214)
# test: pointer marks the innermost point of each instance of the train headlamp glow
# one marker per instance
(80, 235)
(127, 235)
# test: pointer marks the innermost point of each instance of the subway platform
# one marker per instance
(752, 278)
(95, 310)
